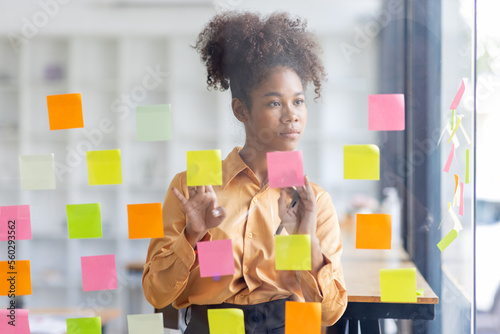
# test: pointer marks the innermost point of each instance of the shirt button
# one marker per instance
(250, 235)
(254, 200)
(242, 296)
(247, 270)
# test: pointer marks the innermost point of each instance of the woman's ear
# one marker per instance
(240, 110)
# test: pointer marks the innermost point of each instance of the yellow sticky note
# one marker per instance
(15, 278)
(447, 240)
(145, 221)
(398, 285)
(204, 168)
(293, 252)
(226, 321)
(302, 318)
(104, 167)
(373, 231)
(361, 162)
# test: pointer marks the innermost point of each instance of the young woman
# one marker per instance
(266, 63)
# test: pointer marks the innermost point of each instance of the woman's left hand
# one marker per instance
(301, 218)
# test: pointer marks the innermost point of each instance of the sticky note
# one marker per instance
(302, 318)
(398, 285)
(153, 122)
(65, 111)
(452, 119)
(15, 277)
(99, 272)
(373, 231)
(204, 168)
(447, 240)
(19, 317)
(91, 325)
(145, 323)
(15, 222)
(461, 206)
(386, 112)
(450, 159)
(226, 321)
(84, 220)
(293, 252)
(467, 166)
(37, 172)
(459, 122)
(215, 258)
(145, 221)
(285, 169)
(361, 162)
(420, 292)
(459, 94)
(104, 167)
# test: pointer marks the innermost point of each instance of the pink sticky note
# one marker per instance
(458, 96)
(19, 318)
(386, 112)
(215, 258)
(285, 169)
(15, 221)
(99, 272)
(461, 207)
(450, 158)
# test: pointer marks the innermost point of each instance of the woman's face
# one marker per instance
(278, 115)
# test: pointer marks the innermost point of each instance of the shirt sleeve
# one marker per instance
(329, 286)
(170, 259)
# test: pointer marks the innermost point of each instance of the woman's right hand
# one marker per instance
(202, 211)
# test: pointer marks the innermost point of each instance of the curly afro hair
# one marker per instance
(238, 49)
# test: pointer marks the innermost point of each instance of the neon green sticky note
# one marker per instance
(84, 220)
(447, 240)
(226, 321)
(452, 119)
(204, 168)
(420, 292)
(37, 172)
(398, 285)
(467, 166)
(154, 122)
(91, 325)
(361, 162)
(145, 323)
(104, 167)
(293, 252)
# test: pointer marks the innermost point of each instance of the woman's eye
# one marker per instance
(274, 104)
(299, 102)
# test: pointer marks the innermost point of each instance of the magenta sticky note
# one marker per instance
(14, 321)
(215, 258)
(458, 96)
(15, 222)
(450, 159)
(285, 169)
(386, 112)
(99, 272)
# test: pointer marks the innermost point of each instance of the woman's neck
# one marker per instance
(257, 161)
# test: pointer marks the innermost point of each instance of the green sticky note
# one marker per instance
(398, 285)
(90, 325)
(226, 321)
(293, 252)
(154, 122)
(361, 162)
(447, 240)
(84, 220)
(37, 172)
(204, 168)
(145, 323)
(104, 167)
(467, 166)
(420, 292)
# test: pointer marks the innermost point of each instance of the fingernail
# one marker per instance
(216, 212)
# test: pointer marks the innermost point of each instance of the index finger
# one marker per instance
(179, 196)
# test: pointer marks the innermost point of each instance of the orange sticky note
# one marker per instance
(65, 111)
(302, 318)
(373, 231)
(15, 278)
(145, 221)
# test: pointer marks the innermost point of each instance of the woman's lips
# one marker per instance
(290, 134)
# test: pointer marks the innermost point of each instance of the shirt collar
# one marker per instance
(233, 165)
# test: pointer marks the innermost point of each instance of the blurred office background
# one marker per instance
(124, 53)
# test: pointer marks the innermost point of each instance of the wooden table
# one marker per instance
(361, 273)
